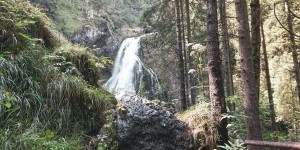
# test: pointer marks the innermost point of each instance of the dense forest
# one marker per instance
(149, 74)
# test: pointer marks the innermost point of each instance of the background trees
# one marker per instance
(262, 83)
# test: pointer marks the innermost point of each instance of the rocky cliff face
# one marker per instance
(143, 125)
(99, 38)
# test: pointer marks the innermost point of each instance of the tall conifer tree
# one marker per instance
(216, 88)
(251, 103)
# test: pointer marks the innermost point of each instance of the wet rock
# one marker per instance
(147, 126)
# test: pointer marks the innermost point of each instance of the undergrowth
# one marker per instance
(44, 105)
(202, 130)
(87, 64)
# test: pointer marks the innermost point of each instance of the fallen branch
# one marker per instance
(292, 145)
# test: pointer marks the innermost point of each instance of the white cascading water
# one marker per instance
(131, 75)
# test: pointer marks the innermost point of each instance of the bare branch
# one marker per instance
(293, 14)
(282, 24)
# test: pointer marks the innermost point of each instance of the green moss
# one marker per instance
(88, 64)
(22, 24)
(199, 120)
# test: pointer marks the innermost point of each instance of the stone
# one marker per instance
(147, 126)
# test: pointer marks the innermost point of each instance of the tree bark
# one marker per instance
(216, 88)
(289, 145)
(251, 103)
(180, 69)
(192, 79)
(226, 54)
(269, 87)
(255, 41)
(184, 53)
(293, 46)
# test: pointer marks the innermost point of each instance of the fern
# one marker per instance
(237, 145)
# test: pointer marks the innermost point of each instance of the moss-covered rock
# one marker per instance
(202, 132)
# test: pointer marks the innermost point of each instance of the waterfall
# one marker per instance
(131, 75)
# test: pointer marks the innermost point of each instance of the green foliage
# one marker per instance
(22, 24)
(199, 119)
(285, 94)
(236, 127)
(40, 97)
(108, 134)
(72, 16)
(237, 145)
(42, 107)
(88, 64)
(32, 140)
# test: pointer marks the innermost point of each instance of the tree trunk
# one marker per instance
(255, 41)
(289, 145)
(251, 103)
(270, 93)
(180, 69)
(293, 46)
(226, 54)
(192, 79)
(184, 53)
(216, 88)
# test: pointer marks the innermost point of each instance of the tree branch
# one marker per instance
(293, 14)
(282, 24)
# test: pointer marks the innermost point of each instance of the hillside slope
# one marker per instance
(47, 99)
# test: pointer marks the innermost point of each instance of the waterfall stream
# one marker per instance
(131, 75)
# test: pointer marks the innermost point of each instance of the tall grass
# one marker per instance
(34, 94)
(42, 106)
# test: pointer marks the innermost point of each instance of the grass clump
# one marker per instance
(199, 121)
(87, 64)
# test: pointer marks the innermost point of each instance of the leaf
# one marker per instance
(101, 146)
(4, 55)
(229, 125)
(119, 105)
(8, 105)
(28, 37)
(24, 23)
(49, 134)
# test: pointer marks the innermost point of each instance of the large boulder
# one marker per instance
(143, 125)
